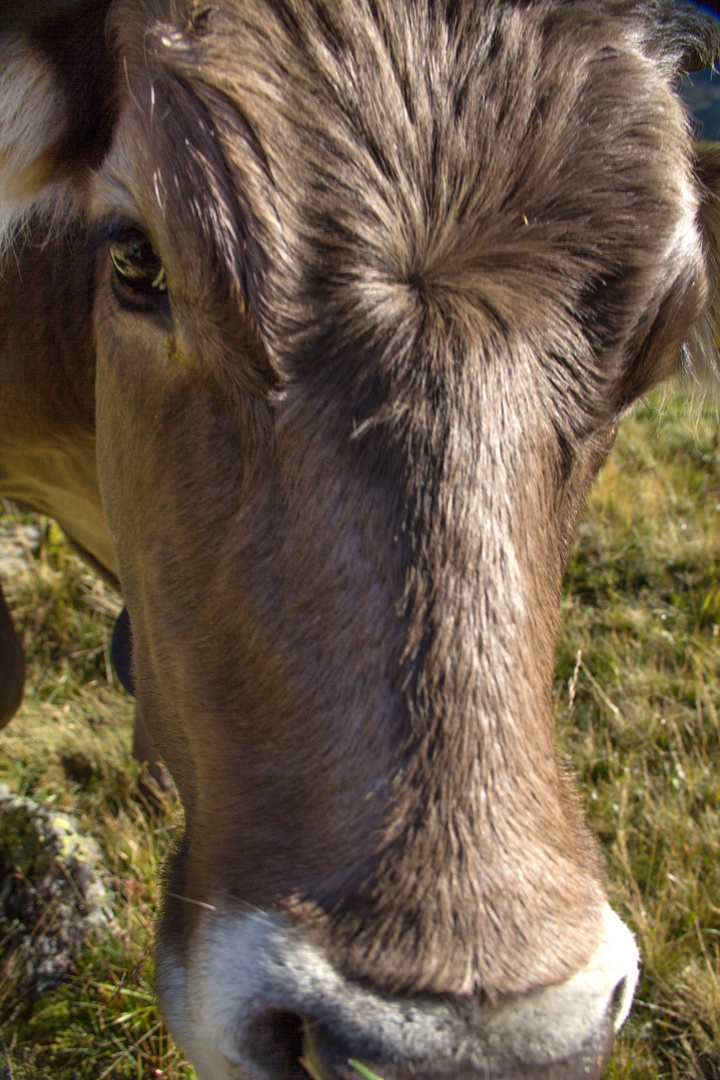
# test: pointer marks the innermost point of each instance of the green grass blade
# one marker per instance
(362, 1070)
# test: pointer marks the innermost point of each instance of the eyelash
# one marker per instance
(138, 275)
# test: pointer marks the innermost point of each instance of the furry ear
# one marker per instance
(682, 35)
(56, 100)
(703, 346)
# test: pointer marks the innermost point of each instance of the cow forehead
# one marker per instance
(409, 110)
(357, 164)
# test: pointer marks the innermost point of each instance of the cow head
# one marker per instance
(375, 283)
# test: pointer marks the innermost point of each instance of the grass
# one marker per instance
(362, 1070)
(69, 747)
(637, 694)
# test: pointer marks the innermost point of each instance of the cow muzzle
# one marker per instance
(256, 1001)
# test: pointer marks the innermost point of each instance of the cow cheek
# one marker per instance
(144, 414)
(571, 500)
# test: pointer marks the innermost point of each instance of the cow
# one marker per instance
(318, 320)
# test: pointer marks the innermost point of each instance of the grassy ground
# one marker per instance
(69, 746)
(637, 692)
(637, 695)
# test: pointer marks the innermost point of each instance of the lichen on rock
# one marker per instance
(53, 893)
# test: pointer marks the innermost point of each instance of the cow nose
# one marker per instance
(256, 999)
(326, 1058)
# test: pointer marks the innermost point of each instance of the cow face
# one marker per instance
(375, 283)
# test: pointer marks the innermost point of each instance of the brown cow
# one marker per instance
(351, 294)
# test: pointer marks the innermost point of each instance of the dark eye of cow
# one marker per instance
(139, 276)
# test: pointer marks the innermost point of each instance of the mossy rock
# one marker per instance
(18, 543)
(52, 894)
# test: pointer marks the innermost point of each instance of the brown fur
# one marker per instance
(421, 257)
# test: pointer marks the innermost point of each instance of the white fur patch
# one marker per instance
(702, 355)
(32, 124)
(242, 966)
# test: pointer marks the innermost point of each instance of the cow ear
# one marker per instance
(703, 346)
(682, 35)
(56, 99)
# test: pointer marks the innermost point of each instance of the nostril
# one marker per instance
(621, 1002)
(617, 998)
(275, 1042)
(323, 1057)
(326, 1057)
(285, 1046)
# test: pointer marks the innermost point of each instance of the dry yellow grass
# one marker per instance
(643, 607)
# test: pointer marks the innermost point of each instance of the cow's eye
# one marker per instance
(139, 273)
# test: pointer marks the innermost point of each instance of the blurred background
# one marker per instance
(701, 92)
